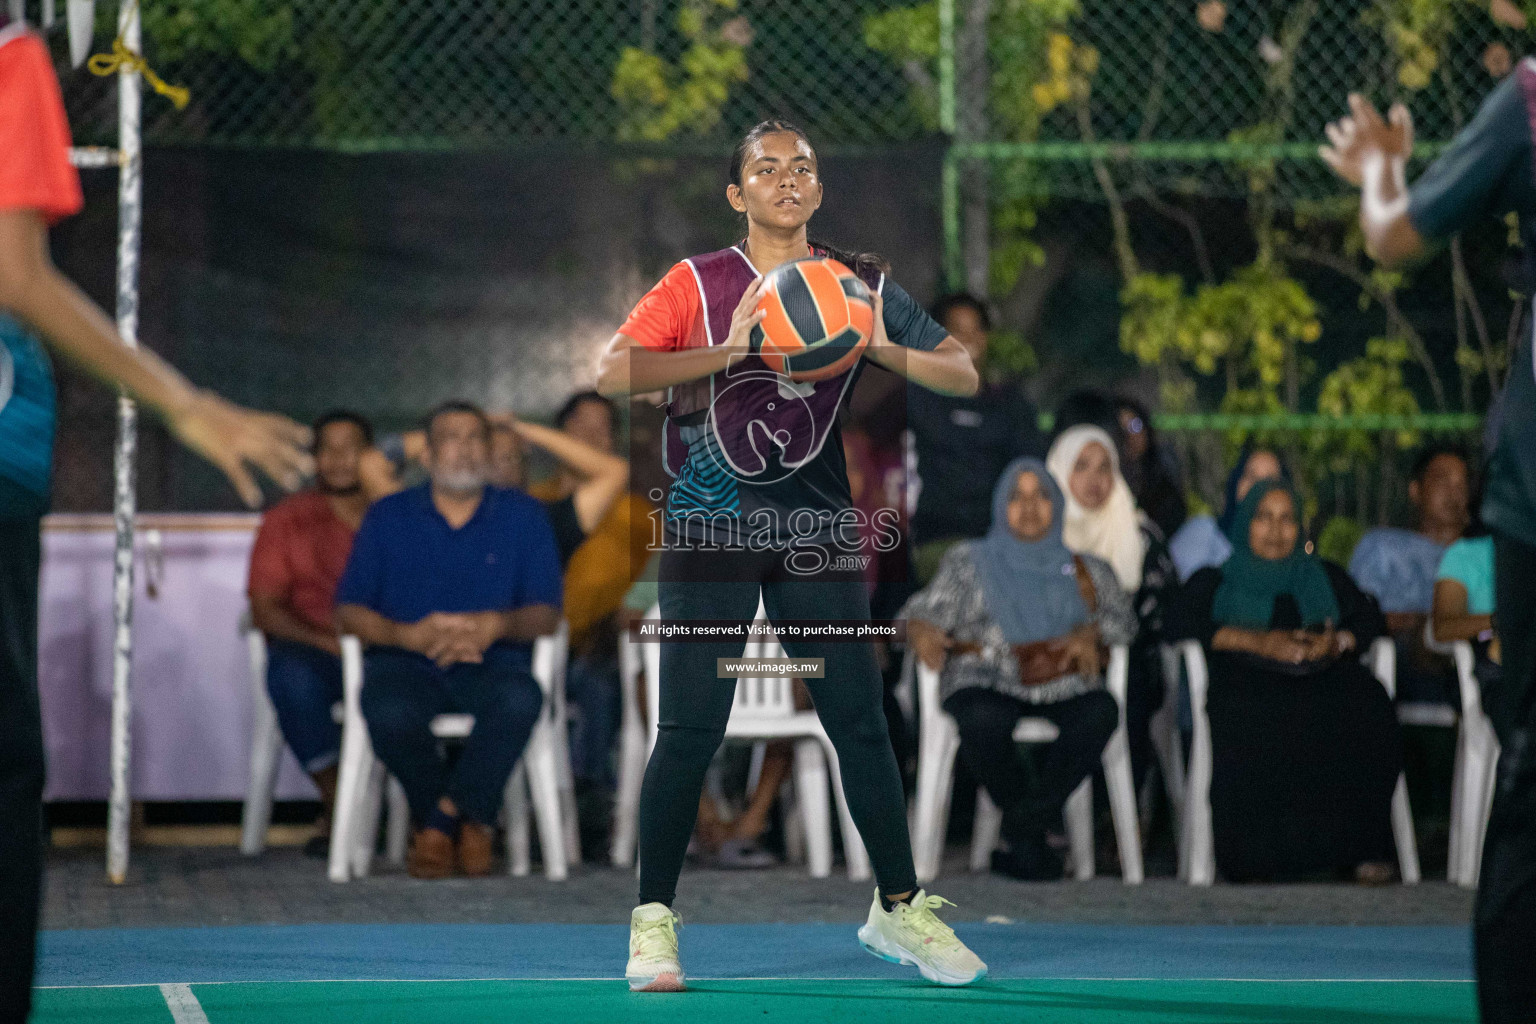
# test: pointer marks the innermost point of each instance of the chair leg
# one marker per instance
(1122, 806)
(986, 827)
(565, 784)
(1461, 799)
(397, 827)
(544, 788)
(1482, 754)
(626, 809)
(811, 786)
(794, 824)
(1079, 815)
(1402, 832)
(266, 749)
(854, 852)
(518, 859)
(936, 752)
(1198, 840)
(366, 830)
(351, 783)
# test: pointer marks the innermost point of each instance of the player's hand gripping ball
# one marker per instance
(818, 316)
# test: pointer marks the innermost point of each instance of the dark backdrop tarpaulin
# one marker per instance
(298, 281)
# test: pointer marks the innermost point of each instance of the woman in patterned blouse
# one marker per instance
(1017, 625)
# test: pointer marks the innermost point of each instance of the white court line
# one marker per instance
(185, 1009)
(460, 981)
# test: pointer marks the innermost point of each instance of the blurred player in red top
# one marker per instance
(37, 188)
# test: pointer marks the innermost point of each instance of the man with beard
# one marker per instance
(448, 585)
(300, 552)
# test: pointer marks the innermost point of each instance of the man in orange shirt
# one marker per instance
(38, 187)
(299, 554)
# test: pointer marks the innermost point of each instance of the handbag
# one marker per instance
(1044, 660)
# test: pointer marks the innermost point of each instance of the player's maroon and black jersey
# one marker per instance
(753, 454)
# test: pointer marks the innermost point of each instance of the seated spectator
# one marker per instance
(1102, 520)
(963, 442)
(598, 574)
(448, 585)
(1017, 625)
(1398, 567)
(1151, 470)
(299, 554)
(1464, 603)
(1305, 740)
(1202, 541)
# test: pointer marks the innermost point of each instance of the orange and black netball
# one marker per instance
(818, 318)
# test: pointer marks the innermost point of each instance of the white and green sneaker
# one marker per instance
(653, 965)
(912, 934)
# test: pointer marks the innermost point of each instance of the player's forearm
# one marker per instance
(1390, 236)
(33, 289)
(369, 626)
(635, 369)
(277, 621)
(947, 369)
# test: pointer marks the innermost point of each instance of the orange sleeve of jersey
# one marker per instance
(663, 319)
(35, 172)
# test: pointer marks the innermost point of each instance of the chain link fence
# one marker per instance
(1199, 118)
(1167, 78)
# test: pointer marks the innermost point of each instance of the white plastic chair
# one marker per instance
(939, 742)
(360, 785)
(632, 749)
(1197, 854)
(266, 746)
(764, 709)
(1477, 756)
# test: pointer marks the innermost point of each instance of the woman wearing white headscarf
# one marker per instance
(1102, 520)
(1101, 513)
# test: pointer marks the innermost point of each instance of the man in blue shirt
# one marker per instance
(448, 585)
(1487, 171)
(1398, 567)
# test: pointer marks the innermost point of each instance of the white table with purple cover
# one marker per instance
(191, 724)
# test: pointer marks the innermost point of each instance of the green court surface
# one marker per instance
(1037, 1001)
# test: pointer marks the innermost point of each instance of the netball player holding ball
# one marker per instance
(757, 346)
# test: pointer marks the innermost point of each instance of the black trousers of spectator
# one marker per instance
(403, 692)
(1505, 915)
(725, 584)
(1144, 697)
(987, 720)
(21, 766)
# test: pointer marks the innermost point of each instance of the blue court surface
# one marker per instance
(805, 972)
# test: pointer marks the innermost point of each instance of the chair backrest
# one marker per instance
(759, 697)
(631, 669)
(1382, 661)
(256, 654)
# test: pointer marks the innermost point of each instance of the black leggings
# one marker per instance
(1505, 915)
(702, 584)
(21, 766)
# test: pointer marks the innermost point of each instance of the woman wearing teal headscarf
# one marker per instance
(1019, 590)
(1305, 740)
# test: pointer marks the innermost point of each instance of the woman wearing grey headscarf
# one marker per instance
(1017, 626)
